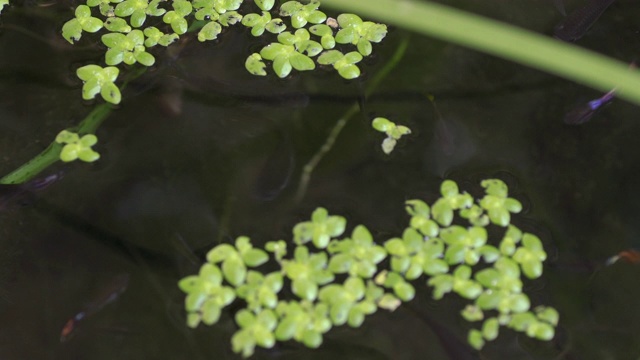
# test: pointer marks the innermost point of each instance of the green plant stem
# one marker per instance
(308, 168)
(33, 167)
(51, 155)
(506, 41)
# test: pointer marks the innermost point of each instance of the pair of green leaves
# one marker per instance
(77, 147)
(394, 132)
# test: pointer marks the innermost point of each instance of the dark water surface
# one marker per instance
(200, 152)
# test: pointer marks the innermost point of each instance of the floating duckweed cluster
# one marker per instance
(134, 27)
(338, 281)
(77, 147)
(394, 132)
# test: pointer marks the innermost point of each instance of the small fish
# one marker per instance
(22, 194)
(630, 256)
(106, 295)
(574, 26)
(584, 113)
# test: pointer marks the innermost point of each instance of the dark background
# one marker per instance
(200, 152)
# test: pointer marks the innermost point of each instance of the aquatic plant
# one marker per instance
(394, 132)
(340, 280)
(129, 41)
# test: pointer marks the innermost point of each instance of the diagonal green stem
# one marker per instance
(308, 168)
(51, 155)
(503, 40)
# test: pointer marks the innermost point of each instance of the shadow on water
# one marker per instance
(200, 152)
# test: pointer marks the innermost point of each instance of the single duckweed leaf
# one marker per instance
(220, 253)
(495, 187)
(301, 62)
(364, 47)
(265, 5)
(404, 291)
(116, 24)
(72, 30)
(255, 257)
(472, 313)
(349, 72)
(550, 315)
(209, 31)
(388, 144)
(490, 329)
(234, 270)
(255, 65)
(475, 339)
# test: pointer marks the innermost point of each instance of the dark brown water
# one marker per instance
(182, 155)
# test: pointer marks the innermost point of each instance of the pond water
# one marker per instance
(200, 152)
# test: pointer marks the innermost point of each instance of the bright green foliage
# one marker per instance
(451, 200)
(394, 132)
(345, 64)
(236, 259)
(72, 29)
(413, 255)
(303, 321)
(530, 256)
(255, 65)
(261, 291)
(106, 9)
(301, 14)
(260, 23)
(206, 296)
(301, 41)
(3, 3)
(306, 272)
(116, 24)
(326, 35)
(357, 256)
(128, 37)
(138, 10)
(285, 58)
(348, 303)
(176, 17)
(362, 34)
(77, 147)
(429, 246)
(496, 202)
(265, 5)
(156, 37)
(255, 329)
(209, 31)
(320, 229)
(127, 48)
(99, 80)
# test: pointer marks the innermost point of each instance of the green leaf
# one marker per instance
(72, 30)
(548, 314)
(490, 329)
(234, 270)
(305, 289)
(475, 339)
(220, 253)
(472, 313)
(389, 143)
(404, 291)
(209, 31)
(300, 62)
(265, 5)
(255, 257)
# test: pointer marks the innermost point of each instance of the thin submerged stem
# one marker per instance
(308, 168)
